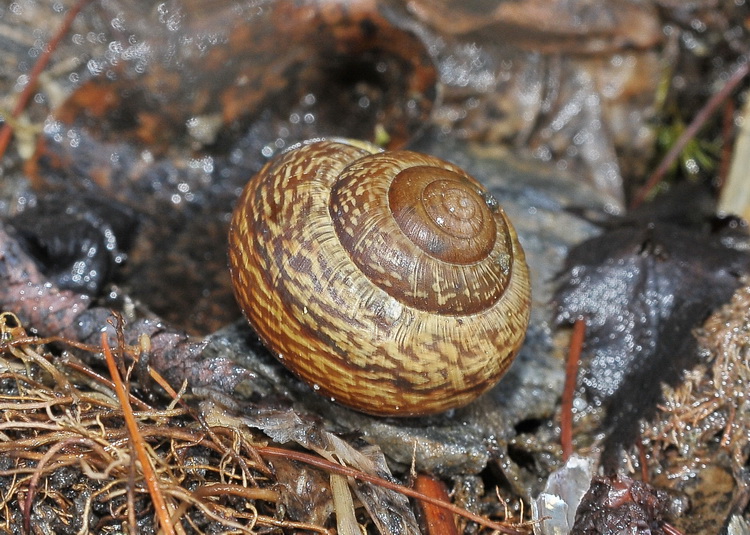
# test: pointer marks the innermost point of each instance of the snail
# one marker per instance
(392, 282)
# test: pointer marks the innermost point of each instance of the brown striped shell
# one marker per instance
(390, 281)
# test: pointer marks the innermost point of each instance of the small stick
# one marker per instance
(644, 462)
(23, 98)
(669, 529)
(437, 520)
(698, 121)
(727, 128)
(569, 391)
(149, 474)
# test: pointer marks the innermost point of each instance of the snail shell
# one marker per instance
(390, 281)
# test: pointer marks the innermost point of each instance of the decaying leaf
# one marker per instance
(77, 238)
(389, 510)
(643, 286)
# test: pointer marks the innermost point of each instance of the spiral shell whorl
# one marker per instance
(380, 312)
(396, 215)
